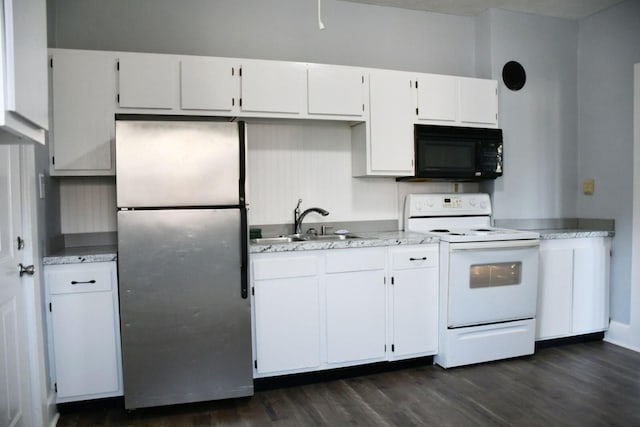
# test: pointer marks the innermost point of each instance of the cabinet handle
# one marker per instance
(75, 282)
(424, 258)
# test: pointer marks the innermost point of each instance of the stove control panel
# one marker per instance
(430, 205)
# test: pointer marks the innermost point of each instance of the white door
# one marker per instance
(15, 403)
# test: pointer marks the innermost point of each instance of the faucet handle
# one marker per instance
(298, 205)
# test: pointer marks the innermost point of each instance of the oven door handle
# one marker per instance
(495, 245)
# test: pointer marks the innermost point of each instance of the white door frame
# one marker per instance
(620, 333)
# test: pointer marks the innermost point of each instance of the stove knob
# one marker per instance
(472, 202)
(483, 205)
(430, 202)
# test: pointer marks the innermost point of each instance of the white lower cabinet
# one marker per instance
(325, 309)
(286, 292)
(414, 300)
(355, 305)
(573, 292)
(84, 328)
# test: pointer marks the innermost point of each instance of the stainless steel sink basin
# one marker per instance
(302, 238)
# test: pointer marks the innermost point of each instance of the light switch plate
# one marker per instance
(588, 186)
(41, 185)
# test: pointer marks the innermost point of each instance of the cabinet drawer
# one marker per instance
(414, 258)
(80, 278)
(286, 266)
(343, 260)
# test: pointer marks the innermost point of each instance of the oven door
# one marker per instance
(492, 282)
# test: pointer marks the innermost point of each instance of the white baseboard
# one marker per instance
(621, 334)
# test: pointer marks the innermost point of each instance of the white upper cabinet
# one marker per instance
(456, 101)
(209, 84)
(384, 145)
(478, 101)
(23, 92)
(437, 98)
(273, 87)
(334, 90)
(147, 81)
(82, 134)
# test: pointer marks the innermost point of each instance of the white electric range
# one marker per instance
(488, 278)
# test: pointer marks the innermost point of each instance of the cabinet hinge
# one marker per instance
(384, 280)
(118, 65)
(233, 71)
(393, 347)
(393, 282)
(51, 62)
(240, 102)
(233, 102)
(240, 71)
(53, 160)
(416, 111)
(611, 252)
(362, 79)
(385, 348)
(416, 84)
(255, 363)
(118, 98)
(253, 290)
(55, 387)
(50, 308)
(362, 107)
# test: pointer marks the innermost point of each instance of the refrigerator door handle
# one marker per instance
(244, 254)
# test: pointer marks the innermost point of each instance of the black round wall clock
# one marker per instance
(513, 75)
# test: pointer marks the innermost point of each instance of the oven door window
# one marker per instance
(495, 274)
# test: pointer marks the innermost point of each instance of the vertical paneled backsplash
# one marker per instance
(87, 205)
(310, 161)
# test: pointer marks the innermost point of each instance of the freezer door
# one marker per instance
(186, 330)
(177, 163)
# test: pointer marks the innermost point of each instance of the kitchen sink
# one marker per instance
(302, 238)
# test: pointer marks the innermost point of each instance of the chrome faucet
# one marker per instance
(298, 217)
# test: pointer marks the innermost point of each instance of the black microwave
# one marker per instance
(449, 153)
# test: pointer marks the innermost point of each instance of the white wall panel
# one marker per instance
(311, 161)
(87, 205)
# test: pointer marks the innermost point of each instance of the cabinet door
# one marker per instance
(84, 343)
(591, 286)
(555, 288)
(335, 90)
(287, 316)
(83, 112)
(209, 84)
(26, 56)
(355, 316)
(273, 87)
(437, 98)
(147, 81)
(391, 130)
(478, 101)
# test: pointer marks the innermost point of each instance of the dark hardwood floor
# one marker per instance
(584, 384)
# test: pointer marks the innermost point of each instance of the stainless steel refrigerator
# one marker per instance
(182, 261)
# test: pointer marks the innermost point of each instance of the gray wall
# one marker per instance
(539, 121)
(609, 45)
(355, 34)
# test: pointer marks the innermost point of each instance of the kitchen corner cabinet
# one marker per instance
(383, 146)
(334, 90)
(456, 101)
(286, 307)
(414, 301)
(84, 329)
(83, 106)
(23, 92)
(355, 305)
(273, 87)
(573, 293)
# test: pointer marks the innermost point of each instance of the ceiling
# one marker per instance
(569, 9)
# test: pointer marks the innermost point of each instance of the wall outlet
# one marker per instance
(588, 186)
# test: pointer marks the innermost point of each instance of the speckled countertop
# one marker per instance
(82, 254)
(365, 240)
(572, 234)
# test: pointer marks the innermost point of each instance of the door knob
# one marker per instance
(29, 269)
